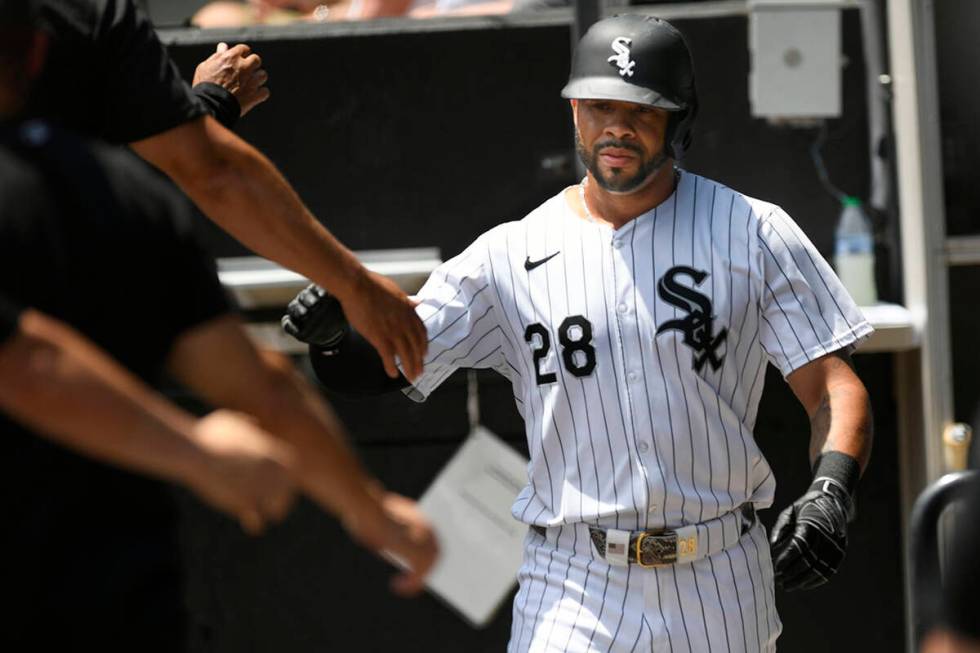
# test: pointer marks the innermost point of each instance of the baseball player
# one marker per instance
(635, 314)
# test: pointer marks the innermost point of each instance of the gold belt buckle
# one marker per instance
(664, 549)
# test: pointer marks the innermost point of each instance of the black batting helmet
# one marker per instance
(641, 59)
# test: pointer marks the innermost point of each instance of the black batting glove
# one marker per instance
(810, 537)
(315, 317)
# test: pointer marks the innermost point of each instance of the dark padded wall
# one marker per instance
(430, 138)
(409, 140)
(421, 139)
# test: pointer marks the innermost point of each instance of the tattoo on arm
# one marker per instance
(850, 406)
(820, 427)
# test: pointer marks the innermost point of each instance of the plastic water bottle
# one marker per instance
(854, 252)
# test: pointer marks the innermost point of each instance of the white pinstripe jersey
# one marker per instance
(637, 356)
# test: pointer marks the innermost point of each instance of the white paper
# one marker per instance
(481, 543)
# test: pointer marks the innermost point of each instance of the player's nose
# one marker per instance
(620, 125)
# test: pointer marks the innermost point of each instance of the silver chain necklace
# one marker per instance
(585, 205)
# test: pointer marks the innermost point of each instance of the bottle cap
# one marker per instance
(850, 200)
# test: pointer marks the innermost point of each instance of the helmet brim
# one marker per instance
(607, 88)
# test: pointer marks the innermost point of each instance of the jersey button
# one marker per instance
(617, 244)
(623, 309)
(632, 376)
(643, 447)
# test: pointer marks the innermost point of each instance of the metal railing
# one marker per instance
(925, 583)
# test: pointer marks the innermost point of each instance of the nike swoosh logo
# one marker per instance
(530, 265)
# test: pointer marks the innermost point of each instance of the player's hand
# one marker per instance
(385, 316)
(810, 537)
(400, 533)
(315, 317)
(244, 471)
(239, 71)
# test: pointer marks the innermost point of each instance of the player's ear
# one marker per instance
(574, 104)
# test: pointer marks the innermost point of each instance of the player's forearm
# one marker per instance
(843, 422)
(65, 388)
(243, 192)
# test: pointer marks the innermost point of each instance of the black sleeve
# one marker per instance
(9, 315)
(219, 102)
(353, 367)
(146, 94)
(172, 259)
(194, 290)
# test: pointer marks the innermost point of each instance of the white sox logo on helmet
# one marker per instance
(621, 46)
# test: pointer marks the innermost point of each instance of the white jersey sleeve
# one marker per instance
(805, 310)
(458, 310)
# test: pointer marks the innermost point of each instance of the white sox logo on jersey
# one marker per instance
(699, 323)
(621, 46)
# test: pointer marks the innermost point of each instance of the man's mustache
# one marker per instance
(624, 145)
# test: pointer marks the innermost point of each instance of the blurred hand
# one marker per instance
(246, 472)
(400, 533)
(379, 310)
(239, 71)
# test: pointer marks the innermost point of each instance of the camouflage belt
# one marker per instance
(656, 548)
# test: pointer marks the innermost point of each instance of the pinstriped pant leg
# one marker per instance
(574, 602)
(720, 604)
(764, 563)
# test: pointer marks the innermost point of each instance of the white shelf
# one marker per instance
(256, 282)
(895, 329)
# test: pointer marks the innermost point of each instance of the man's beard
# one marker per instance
(619, 182)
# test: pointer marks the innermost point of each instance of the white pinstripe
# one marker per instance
(644, 439)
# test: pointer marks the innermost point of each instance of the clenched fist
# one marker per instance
(239, 71)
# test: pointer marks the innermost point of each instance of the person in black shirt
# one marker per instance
(63, 387)
(92, 240)
(110, 77)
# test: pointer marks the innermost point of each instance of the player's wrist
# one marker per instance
(353, 281)
(837, 474)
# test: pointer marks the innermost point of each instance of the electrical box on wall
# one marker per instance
(795, 48)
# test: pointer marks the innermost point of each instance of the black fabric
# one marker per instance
(839, 466)
(107, 74)
(219, 102)
(91, 237)
(8, 319)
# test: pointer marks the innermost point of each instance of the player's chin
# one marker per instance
(621, 180)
